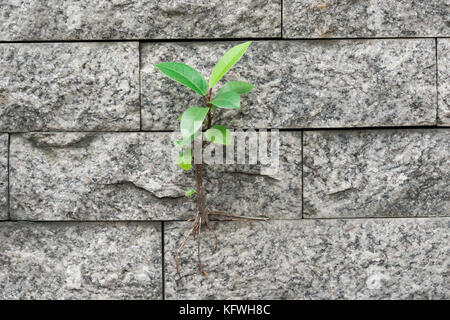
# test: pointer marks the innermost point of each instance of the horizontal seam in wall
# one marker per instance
(247, 128)
(180, 220)
(221, 39)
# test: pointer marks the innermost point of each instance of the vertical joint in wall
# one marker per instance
(303, 166)
(8, 202)
(281, 12)
(163, 276)
(437, 79)
(140, 86)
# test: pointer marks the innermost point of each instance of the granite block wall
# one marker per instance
(92, 205)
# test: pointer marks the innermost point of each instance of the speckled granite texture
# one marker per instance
(443, 51)
(304, 84)
(3, 176)
(376, 173)
(138, 19)
(131, 176)
(80, 260)
(69, 86)
(317, 259)
(89, 185)
(368, 18)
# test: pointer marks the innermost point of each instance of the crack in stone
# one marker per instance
(40, 141)
(253, 174)
(135, 186)
(342, 191)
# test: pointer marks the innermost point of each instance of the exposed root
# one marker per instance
(179, 251)
(229, 217)
(196, 231)
(214, 234)
(198, 250)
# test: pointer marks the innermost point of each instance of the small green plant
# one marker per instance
(197, 119)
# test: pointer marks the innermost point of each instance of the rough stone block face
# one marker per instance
(376, 173)
(134, 176)
(359, 207)
(80, 261)
(444, 81)
(313, 259)
(139, 19)
(303, 84)
(372, 18)
(69, 86)
(3, 176)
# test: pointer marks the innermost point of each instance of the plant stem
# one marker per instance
(201, 199)
(202, 214)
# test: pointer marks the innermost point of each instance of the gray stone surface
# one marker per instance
(132, 176)
(80, 261)
(444, 81)
(303, 83)
(377, 173)
(3, 176)
(314, 259)
(370, 18)
(138, 19)
(69, 86)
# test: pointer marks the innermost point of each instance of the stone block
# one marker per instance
(138, 19)
(80, 260)
(313, 259)
(303, 84)
(134, 176)
(365, 19)
(376, 173)
(69, 86)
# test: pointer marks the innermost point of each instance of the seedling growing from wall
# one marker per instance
(197, 119)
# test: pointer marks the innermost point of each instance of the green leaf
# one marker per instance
(185, 75)
(227, 61)
(184, 159)
(191, 121)
(240, 87)
(186, 140)
(219, 135)
(227, 100)
(190, 192)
